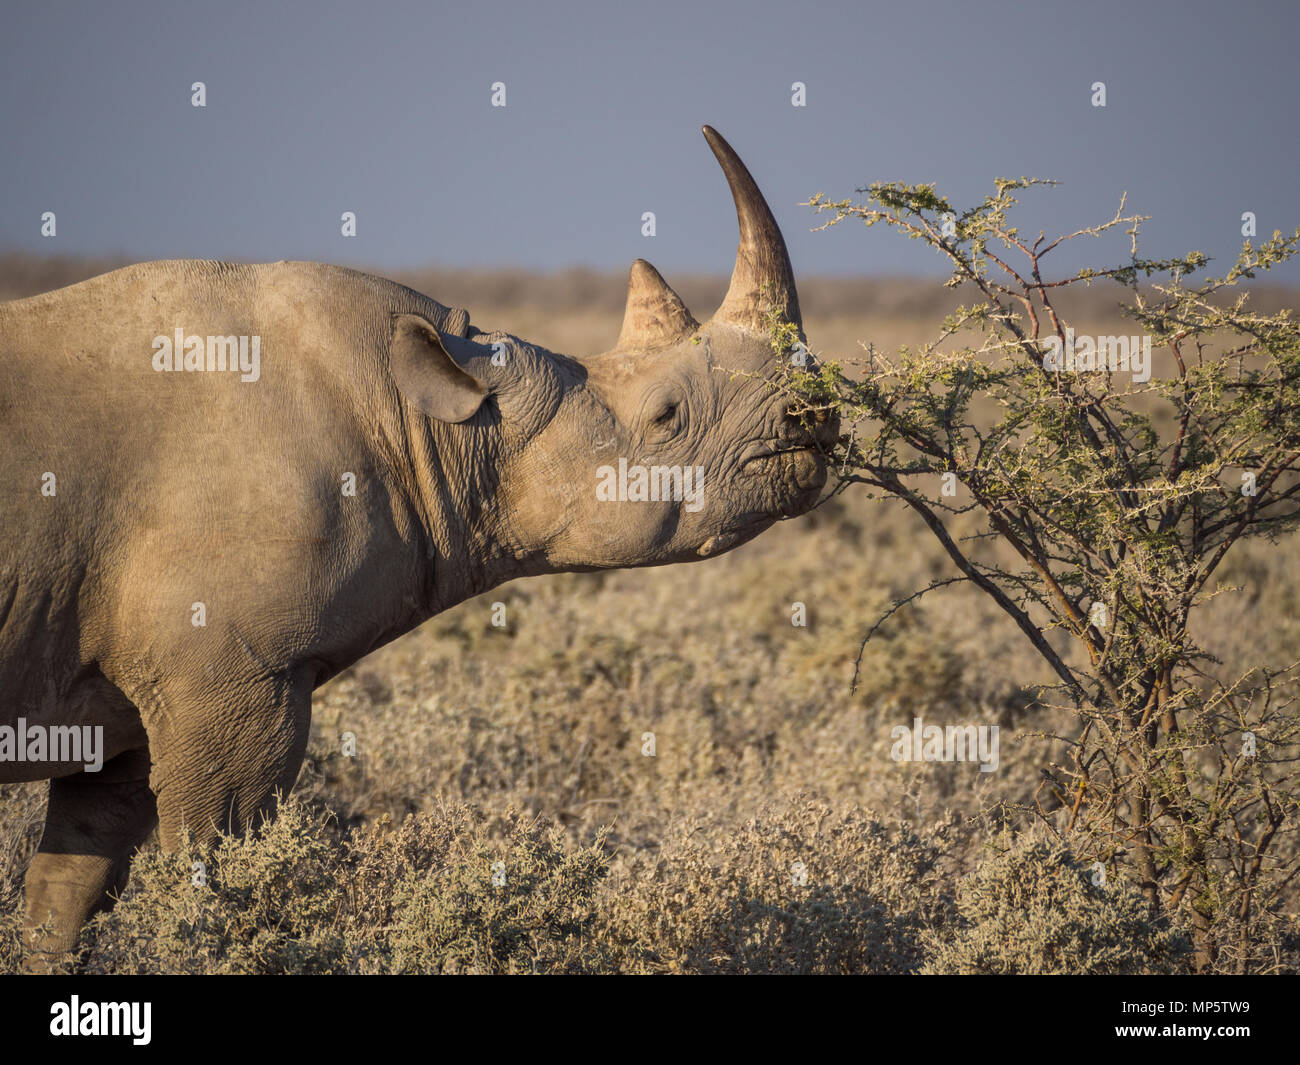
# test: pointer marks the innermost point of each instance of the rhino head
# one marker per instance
(671, 446)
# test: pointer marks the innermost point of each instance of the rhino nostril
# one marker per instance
(808, 427)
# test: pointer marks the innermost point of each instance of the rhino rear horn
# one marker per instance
(428, 375)
(763, 278)
(655, 315)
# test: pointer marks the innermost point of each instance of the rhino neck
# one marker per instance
(453, 484)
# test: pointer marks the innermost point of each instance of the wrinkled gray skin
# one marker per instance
(174, 489)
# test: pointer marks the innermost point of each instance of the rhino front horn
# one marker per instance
(763, 278)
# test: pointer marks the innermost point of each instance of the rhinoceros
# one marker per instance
(223, 484)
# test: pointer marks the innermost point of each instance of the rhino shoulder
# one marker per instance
(362, 292)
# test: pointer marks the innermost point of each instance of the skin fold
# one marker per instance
(185, 555)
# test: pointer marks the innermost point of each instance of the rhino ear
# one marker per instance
(429, 376)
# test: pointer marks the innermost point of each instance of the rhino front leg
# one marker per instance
(221, 754)
(93, 824)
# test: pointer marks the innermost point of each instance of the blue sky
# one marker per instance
(384, 109)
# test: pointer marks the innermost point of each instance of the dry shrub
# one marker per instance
(292, 897)
(22, 815)
(268, 902)
(801, 888)
(11, 947)
(1032, 908)
(525, 906)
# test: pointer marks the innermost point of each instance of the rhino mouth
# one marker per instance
(766, 453)
(801, 468)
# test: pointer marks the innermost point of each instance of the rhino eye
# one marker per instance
(668, 414)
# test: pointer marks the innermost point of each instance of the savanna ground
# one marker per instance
(500, 812)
